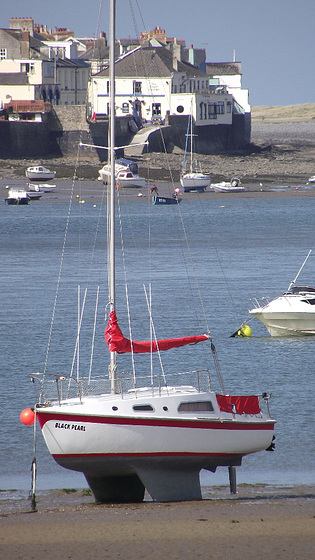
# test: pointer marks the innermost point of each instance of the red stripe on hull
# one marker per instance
(141, 455)
(194, 424)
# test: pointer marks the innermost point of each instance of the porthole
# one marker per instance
(114, 407)
(180, 109)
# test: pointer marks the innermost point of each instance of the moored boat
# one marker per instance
(126, 174)
(194, 179)
(291, 314)
(228, 186)
(39, 173)
(17, 196)
(42, 187)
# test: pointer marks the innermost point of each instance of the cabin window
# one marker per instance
(3, 54)
(143, 408)
(228, 107)
(137, 87)
(196, 406)
(201, 111)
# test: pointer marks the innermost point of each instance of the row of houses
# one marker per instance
(157, 78)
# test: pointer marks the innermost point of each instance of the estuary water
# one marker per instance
(240, 249)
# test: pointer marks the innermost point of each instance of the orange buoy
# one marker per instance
(27, 417)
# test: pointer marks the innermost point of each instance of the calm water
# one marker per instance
(240, 248)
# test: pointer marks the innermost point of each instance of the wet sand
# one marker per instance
(258, 523)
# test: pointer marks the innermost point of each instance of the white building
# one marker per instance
(228, 75)
(29, 73)
(153, 82)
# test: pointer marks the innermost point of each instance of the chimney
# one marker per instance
(191, 55)
(25, 44)
(26, 23)
(176, 55)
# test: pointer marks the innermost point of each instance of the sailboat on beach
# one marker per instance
(193, 179)
(145, 431)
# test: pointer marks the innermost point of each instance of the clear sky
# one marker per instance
(274, 39)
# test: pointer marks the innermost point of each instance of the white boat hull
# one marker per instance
(290, 314)
(39, 173)
(90, 438)
(226, 188)
(286, 324)
(195, 181)
(42, 187)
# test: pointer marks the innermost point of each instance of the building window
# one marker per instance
(212, 110)
(137, 87)
(156, 109)
(3, 53)
(220, 108)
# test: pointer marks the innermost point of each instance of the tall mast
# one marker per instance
(112, 294)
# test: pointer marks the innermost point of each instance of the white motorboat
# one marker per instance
(311, 179)
(17, 196)
(194, 179)
(42, 187)
(228, 186)
(39, 173)
(292, 313)
(126, 174)
(146, 429)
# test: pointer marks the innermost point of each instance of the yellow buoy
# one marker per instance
(245, 331)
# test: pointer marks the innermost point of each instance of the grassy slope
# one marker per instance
(293, 113)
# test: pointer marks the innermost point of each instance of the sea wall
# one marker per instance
(65, 126)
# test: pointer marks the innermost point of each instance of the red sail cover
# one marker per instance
(242, 404)
(118, 343)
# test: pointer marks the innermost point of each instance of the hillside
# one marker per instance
(287, 113)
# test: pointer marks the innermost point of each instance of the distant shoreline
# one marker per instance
(283, 153)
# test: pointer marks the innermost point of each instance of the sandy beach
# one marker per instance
(258, 523)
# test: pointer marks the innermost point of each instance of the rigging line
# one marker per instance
(76, 349)
(61, 264)
(214, 246)
(126, 286)
(154, 334)
(147, 77)
(93, 336)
